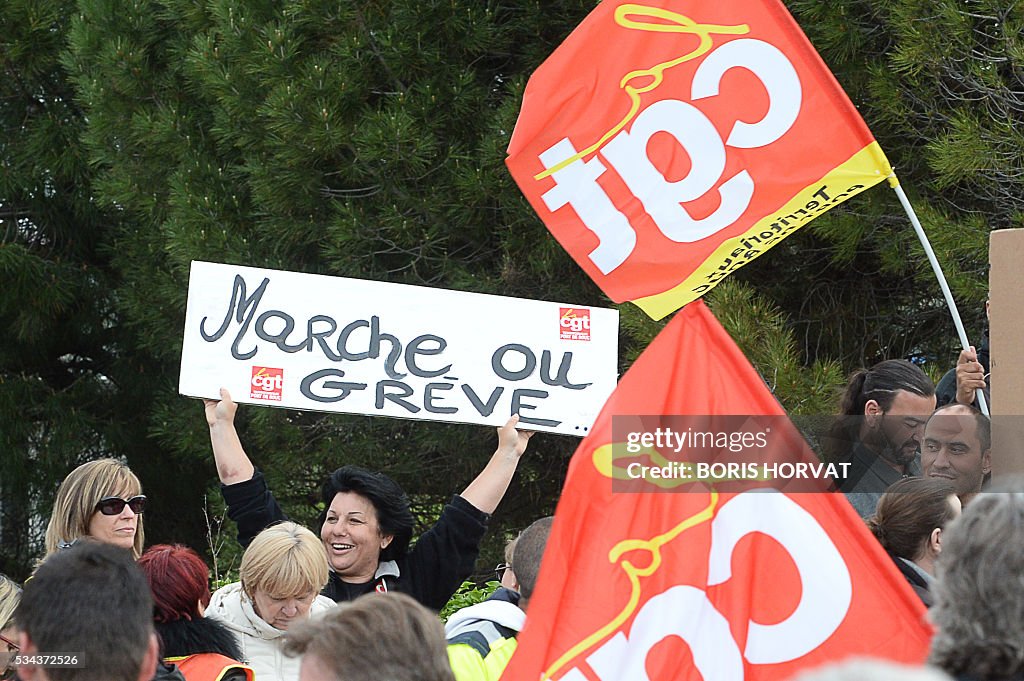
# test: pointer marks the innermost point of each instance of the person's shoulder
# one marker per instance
(226, 607)
(471, 662)
(321, 605)
(945, 389)
(227, 593)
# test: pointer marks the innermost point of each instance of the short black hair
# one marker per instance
(387, 497)
(90, 599)
(983, 423)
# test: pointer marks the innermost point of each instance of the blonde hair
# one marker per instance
(510, 548)
(284, 560)
(10, 596)
(77, 498)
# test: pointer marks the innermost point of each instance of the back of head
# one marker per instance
(864, 669)
(10, 596)
(179, 581)
(377, 636)
(388, 499)
(284, 560)
(908, 512)
(93, 601)
(529, 551)
(880, 383)
(78, 495)
(979, 590)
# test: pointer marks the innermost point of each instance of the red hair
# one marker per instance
(179, 580)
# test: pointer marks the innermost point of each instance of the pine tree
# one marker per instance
(367, 140)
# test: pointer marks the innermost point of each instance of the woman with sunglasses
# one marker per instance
(101, 500)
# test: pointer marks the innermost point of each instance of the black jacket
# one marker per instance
(945, 390)
(191, 637)
(167, 672)
(916, 581)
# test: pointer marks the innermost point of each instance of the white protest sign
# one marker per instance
(313, 342)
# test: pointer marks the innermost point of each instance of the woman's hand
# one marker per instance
(511, 440)
(233, 464)
(222, 410)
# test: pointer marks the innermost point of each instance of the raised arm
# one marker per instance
(233, 463)
(490, 485)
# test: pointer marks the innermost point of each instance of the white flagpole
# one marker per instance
(940, 276)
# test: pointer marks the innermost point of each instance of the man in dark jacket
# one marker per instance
(879, 430)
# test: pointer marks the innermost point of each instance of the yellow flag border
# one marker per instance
(860, 172)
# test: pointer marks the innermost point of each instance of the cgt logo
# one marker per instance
(574, 323)
(267, 384)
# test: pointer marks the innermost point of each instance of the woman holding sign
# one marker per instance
(367, 525)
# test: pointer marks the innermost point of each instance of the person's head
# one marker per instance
(91, 503)
(179, 581)
(91, 600)
(885, 407)
(10, 596)
(979, 592)
(911, 517)
(377, 636)
(367, 520)
(958, 447)
(527, 556)
(866, 669)
(506, 575)
(282, 572)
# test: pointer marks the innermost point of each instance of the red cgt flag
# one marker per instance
(705, 580)
(667, 144)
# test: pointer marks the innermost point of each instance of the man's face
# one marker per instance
(901, 428)
(952, 450)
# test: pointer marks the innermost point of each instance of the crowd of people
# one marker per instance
(356, 602)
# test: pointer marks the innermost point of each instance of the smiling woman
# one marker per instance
(102, 500)
(367, 525)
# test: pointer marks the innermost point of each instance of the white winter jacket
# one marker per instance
(260, 643)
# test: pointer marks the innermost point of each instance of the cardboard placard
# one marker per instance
(314, 342)
(1006, 328)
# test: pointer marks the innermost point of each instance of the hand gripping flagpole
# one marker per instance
(895, 183)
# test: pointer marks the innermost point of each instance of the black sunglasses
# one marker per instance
(499, 570)
(114, 505)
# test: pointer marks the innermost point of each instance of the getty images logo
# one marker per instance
(267, 384)
(574, 323)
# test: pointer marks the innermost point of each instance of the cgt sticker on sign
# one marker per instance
(574, 323)
(267, 384)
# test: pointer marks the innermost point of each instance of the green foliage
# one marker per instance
(762, 332)
(939, 84)
(368, 140)
(468, 594)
